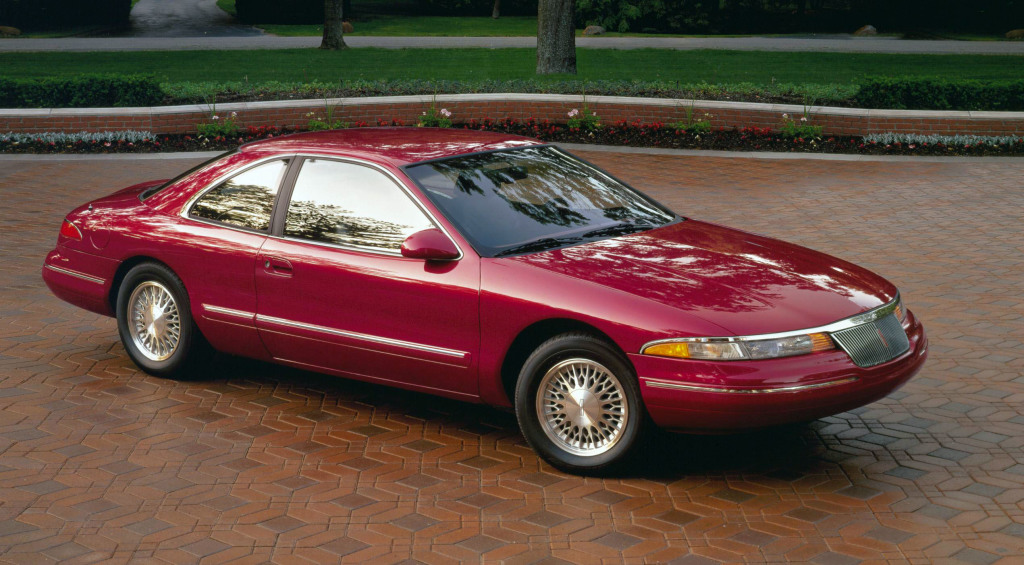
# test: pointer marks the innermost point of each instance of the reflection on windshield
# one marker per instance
(506, 202)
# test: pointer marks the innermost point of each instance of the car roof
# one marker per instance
(397, 146)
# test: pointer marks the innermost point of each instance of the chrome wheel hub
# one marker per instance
(154, 321)
(582, 407)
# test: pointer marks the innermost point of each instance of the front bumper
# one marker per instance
(710, 396)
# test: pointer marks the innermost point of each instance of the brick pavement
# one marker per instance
(101, 462)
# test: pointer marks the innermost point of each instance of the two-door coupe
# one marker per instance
(488, 268)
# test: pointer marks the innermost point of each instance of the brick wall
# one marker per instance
(464, 107)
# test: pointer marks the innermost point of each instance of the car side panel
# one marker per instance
(82, 279)
(515, 295)
(217, 266)
(376, 317)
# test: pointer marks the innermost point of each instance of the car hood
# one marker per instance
(745, 283)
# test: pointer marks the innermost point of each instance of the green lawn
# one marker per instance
(226, 5)
(463, 64)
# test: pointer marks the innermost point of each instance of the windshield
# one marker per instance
(531, 199)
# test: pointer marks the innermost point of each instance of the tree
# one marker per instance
(333, 34)
(556, 37)
(496, 9)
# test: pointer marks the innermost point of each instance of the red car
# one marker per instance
(487, 268)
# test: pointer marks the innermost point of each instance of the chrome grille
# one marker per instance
(875, 342)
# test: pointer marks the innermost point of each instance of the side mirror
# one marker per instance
(430, 244)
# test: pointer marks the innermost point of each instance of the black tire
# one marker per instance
(153, 355)
(623, 420)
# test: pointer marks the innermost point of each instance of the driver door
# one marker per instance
(335, 294)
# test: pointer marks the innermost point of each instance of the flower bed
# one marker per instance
(694, 135)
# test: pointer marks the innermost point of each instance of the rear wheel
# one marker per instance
(154, 320)
(578, 404)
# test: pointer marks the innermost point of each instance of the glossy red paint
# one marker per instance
(430, 244)
(768, 392)
(448, 327)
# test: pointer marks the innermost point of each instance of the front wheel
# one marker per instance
(578, 404)
(155, 323)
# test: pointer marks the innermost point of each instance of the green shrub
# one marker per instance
(193, 92)
(57, 14)
(83, 91)
(278, 12)
(666, 16)
(913, 93)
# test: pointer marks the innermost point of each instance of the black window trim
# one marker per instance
(186, 210)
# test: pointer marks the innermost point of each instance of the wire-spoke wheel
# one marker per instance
(582, 407)
(155, 322)
(578, 404)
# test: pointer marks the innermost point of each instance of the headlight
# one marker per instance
(730, 349)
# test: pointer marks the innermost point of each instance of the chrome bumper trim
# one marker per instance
(364, 337)
(76, 274)
(735, 390)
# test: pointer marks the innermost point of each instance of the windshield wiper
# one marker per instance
(617, 229)
(539, 245)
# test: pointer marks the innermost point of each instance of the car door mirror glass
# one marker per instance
(430, 244)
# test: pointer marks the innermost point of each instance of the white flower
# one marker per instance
(573, 113)
(234, 114)
(803, 119)
(445, 112)
(595, 114)
(785, 115)
(215, 117)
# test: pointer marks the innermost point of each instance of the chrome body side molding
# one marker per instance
(364, 337)
(76, 274)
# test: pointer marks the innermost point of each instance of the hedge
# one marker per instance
(278, 12)
(83, 91)
(57, 14)
(203, 92)
(914, 93)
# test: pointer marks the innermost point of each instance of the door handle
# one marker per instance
(277, 266)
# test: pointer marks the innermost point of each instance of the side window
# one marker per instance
(245, 200)
(352, 205)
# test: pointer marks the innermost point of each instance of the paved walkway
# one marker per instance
(184, 18)
(846, 45)
(101, 462)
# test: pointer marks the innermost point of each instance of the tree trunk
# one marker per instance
(333, 34)
(496, 10)
(556, 37)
